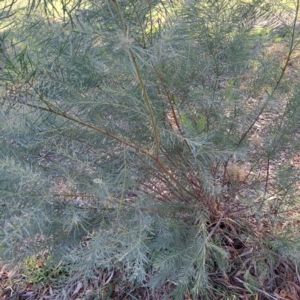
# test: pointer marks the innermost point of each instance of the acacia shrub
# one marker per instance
(121, 121)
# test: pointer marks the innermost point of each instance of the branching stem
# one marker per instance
(122, 141)
(105, 132)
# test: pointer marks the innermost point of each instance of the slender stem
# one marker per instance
(291, 49)
(171, 104)
(119, 14)
(218, 224)
(143, 32)
(145, 94)
(278, 81)
(151, 22)
(146, 97)
(267, 176)
(105, 132)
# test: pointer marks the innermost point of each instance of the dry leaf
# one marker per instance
(88, 292)
(109, 279)
(51, 291)
(78, 287)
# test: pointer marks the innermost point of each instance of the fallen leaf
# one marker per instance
(78, 287)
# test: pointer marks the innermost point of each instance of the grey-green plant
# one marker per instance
(120, 121)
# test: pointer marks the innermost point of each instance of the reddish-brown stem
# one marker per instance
(168, 173)
(170, 103)
(105, 132)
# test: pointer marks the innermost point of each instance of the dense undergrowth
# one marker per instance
(146, 149)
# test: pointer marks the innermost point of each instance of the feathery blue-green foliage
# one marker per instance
(131, 122)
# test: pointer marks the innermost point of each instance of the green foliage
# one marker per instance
(43, 270)
(129, 124)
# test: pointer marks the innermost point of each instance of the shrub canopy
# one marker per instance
(153, 129)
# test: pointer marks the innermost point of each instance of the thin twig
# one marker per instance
(105, 132)
(218, 223)
(278, 81)
(267, 176)
(171, 105)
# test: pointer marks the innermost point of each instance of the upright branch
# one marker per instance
(281, 75)
(175, 118)
(142, 84)
(146, 97)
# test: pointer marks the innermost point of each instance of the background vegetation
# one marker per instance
(150, 147)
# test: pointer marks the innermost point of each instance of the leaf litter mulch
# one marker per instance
(111, 285)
